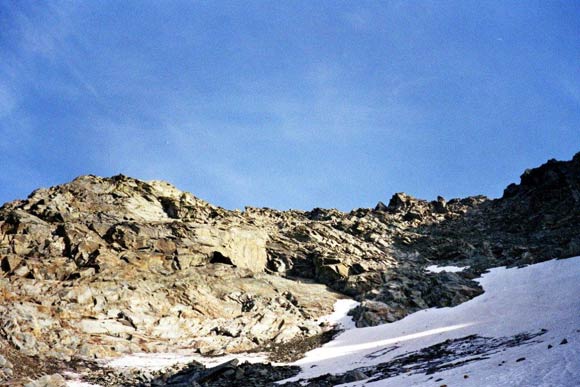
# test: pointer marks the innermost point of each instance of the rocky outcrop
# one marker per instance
(536, 220)
(99, 267)
(102, 266)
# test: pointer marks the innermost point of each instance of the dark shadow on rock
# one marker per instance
(534, 221)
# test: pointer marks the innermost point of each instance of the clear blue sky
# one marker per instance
(292, 104)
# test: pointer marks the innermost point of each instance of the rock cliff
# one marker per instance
(103, 266)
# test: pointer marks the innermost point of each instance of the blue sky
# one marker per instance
(295, 104)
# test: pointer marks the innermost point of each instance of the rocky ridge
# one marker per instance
(104, 266)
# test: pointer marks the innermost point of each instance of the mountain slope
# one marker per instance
(104, 266)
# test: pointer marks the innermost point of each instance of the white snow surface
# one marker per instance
(339, 317)
(158, 361)
(540, 296)
(451, 269)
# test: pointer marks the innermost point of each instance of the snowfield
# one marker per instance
(519, 323)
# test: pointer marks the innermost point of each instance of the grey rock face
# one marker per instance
(100, 267)
(6, 371)
(103, 266)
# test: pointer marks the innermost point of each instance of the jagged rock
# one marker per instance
(102, 266)
(440, 205)
(10, 263)
(354, 376)
(381, 207)
(400, 201)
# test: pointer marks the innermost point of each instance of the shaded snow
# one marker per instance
(540, 296)
(451, 269)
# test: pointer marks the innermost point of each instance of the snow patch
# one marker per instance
(340, 316)
(74, 380)
(450, 269)
(150, 361)
(77, 383)
(158, 361)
